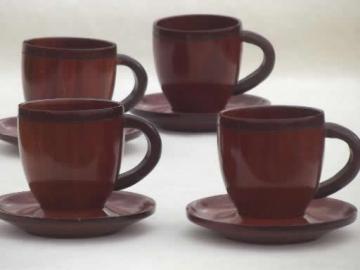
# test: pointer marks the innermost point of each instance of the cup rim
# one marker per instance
(298, 116)
(236, 24)
(106, 109)
(105, 48)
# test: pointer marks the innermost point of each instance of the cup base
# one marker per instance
(88, 213)
(271, 203)
(71, 198)
(198, 97)
(271, 215)
(197, 109)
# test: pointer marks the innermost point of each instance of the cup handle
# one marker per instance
(140, 80)
(267, 65)
(350, 170)
(152, 155)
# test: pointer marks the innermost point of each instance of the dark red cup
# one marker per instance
(71, 152)
(198, 57)
(271, 159)
(65, 67)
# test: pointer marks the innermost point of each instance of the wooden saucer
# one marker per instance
(219, 214)
(121, 210)
(156, 108)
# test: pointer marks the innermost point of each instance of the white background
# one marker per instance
(318, 64)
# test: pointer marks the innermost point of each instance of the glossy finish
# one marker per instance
(71, 152)
(271, 159)
(198, 58)
(8, 131)
(63, 67)
(156, 108)
(121, 210)
(219, 214)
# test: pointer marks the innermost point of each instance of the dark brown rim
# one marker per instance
(108, 109)
(216, 30)
(304, 117)
(103, 49)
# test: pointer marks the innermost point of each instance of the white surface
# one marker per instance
(317, 65)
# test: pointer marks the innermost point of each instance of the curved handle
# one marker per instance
(140, 81)
(267, 65)
(151, 158)
(350, 170)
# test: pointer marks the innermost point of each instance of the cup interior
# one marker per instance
(197, 23)
(68, 43)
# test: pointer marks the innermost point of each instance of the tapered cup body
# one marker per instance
(71, 152)
(197, 59)
(271, 158)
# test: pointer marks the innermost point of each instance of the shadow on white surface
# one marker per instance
(11, 232)
(133, 148)
(327, 241)
(186, 134)
(9, 150)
